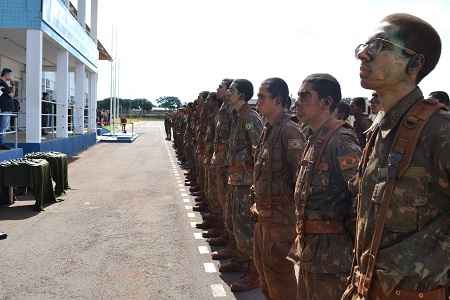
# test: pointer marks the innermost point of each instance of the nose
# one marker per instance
(362, 53)
(297, 102)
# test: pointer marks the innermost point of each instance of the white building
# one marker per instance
(50, 48)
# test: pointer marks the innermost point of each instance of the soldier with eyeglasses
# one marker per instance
(410, 257)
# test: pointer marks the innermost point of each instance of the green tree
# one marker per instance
(168, 102)
(125, 105)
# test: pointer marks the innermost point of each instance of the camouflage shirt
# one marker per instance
(414, 252)
(222, 136)
(213, 118)
(362, 123)
(243, 142)
(202, 124)
(329, 199)
(282, 148)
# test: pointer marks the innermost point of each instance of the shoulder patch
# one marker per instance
(348, 161)
(296, 144)
(248, 126)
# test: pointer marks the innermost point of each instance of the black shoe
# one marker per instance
(4, 147)
(3, 235)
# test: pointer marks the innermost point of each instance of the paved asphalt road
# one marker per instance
(126, 231)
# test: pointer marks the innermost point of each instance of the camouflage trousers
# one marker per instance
(168, 131)
(212, 197)
(237, 211)
(271, 245)
(222, 194)
(201, 169)
(318, 286)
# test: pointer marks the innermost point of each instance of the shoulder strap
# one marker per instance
(402, 151)
(312, 164)
(271, 141)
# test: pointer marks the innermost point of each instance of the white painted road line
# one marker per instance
(218, 290)
(210, 267)
(203, 249)
(191, 215)
(186, 200)
(193, 224)
(184, 195)
(198, 235)
(188, 206)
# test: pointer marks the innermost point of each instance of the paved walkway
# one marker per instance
(126, 231)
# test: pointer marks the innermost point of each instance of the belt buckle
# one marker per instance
(356, 276)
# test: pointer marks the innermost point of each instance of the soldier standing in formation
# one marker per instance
(325, 231)
(246, 128)
(362, 120)
(168, 126)
(277, 157)
(403, 223)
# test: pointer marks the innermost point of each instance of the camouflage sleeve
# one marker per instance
(293, 142)
(348, 156)
(254, 127)
(366, 123)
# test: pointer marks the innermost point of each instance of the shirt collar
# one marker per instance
(393, 116)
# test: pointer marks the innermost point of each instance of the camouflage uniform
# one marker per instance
(218, 160)
(202, 124)
(325, 258)
(361, 124)
(414, 252)
(189, 143)
(168, 126)
(281, 145)
(211, 172)
(243, 140)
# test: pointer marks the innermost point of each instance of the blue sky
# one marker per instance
(179, 48)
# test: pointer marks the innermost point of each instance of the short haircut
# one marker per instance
(204, 94)
(6, 71)
(228, 82)
(344, 108)
(441, 96)
(288, 103)
(278, 87)
(360, 102)
(44, 94)
(325, 85)
(419, 36)
(213, 96)
(245, 87)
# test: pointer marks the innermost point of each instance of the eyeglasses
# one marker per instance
(375, 46)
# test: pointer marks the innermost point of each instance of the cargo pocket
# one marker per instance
(280, 241)
(277, 154)
(407, 204)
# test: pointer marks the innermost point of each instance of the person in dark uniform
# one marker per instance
(168, 126)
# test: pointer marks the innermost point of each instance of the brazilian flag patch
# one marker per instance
(248, 126)
(348, 161)
(296, 144)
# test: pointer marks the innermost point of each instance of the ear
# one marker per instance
(327, 102)
(278, 100)
(416, 63)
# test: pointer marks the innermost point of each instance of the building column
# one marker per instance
(92, 97)
(80, 99)
(94, 20)
(33, 91)
(62, 93)
(81, 13)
